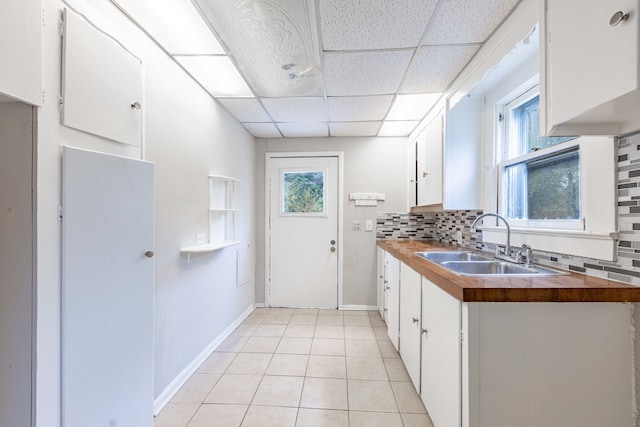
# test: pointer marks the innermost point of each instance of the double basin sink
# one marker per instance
(468, 263)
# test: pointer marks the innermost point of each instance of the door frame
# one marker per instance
(267, 200)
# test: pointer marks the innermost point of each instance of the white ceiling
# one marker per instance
(324, 67)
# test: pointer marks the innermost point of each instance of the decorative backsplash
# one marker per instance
(442, 226)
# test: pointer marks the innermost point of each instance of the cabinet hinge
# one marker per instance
(60, 102)
(61, 26)
(500, 117)
(43, 91)
(461, 336)
(43, 17)
(60, 212)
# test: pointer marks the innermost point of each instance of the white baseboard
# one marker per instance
(259, 304)
(358, 307)
(161, 401)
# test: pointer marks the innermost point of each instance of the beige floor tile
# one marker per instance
(324, 393)
(176, 415)
(234, 389)
(359, 333)
(279, 391)
(196, 388)
(375, 396)
(329, 312)
(381, 332)
(244, 330)
(217, 363)
(270, 331)
(277, 318)
(366, 368)
(210, 415)
(387, 349)
(362, 348)
(396, 369)
(377, 321)
(299, 331)
(357, 321)
(329, 332)
(295, 345)
(407, 398)
(330, 321)
(326, 367)
(355, 312)
(328, 347)
(303, 319)
(322, 418)
(232, 344)
(306, 311)
(261, 345)
(282, 310)
(261, 310)
(374, 419)
(249, 363)
(416, 420)
(288, 364)
(254, 318)
(270, 416)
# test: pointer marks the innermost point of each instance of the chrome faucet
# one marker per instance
(507, 250)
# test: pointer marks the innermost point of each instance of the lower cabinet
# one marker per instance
(392, 297)
(410, 283)
(381, 284)
(441, 389)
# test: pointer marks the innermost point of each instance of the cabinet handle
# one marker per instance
(424, 331)
(618, 18)
(424, 174)
(136, 105)
(388, 288)
(415, 320)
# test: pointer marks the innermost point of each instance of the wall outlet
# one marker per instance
(200, 239)
(356, 225)
(368, 225)
(459, 236)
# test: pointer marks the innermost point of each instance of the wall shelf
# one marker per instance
(222, 216)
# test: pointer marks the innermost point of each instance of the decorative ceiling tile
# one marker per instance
(302, 130)
(354, 128)
(263, 130)
(295, 109)
(245, 109)
(358, 108)
(399, 128)
(365, 73)
(434, 68)
(468, 21)
(381, 24)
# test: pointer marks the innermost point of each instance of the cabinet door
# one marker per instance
(412, 170)
(381, 282)
(589, 62)
(392, 276)
(410, 283)
(441, 355)
(430, 164)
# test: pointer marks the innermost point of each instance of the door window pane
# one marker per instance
(303, 192)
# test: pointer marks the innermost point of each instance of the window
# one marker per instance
(303, 193)
(540, 176)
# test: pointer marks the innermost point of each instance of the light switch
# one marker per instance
(368, 225)
(200, 239)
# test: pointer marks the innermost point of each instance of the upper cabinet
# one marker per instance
(430, 164)
(590, 67)
(21, 51)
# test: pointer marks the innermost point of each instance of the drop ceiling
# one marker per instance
(306, 68)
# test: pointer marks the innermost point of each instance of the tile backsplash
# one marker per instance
(442, 226)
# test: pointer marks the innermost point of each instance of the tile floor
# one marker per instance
(300, 367)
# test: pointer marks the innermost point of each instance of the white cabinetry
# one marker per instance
(410, 284)
(430, 164)
(590, 68)
(412, 175)
(21, 51)
(392, 297)
(381, 283)
(441, 355)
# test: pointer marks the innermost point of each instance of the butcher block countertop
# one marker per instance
(569, 288)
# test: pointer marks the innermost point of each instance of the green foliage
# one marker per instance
(303, 192)
(554, 188)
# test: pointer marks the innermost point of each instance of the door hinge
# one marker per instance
(61, 26)
(60, 212)
(500, 117)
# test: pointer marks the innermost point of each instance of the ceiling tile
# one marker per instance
(358, 108)
(354, 128)
(217, 74)
(399, 128)
(365, 73)
(301, 130)
(435, 67)
(381, 24)
(413, 107)
(468, 21)
(263, 130)
(245, 109)
(295, 109)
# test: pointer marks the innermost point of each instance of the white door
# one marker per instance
(410, 326)
(303, 232)
(107, 290)
(392, 298)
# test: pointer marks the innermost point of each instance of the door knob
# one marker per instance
(333, 249)
(148, 254)
(618, 18)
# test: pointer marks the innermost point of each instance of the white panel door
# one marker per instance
(410, 326)
(303, 232)
(392, 298)
(107, 290)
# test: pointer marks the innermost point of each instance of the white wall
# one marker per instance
(371, 164)
(188, 135)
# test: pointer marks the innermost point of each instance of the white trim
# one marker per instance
(354, 307)
(267, 197)
(161, 401)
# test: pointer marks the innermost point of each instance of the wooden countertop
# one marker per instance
(571, 288)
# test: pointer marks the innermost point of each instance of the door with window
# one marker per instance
(302, 241)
